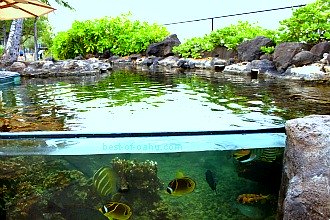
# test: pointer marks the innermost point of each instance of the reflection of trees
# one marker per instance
(120, 88)
(232, 96)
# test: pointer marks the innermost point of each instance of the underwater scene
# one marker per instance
(169, 179)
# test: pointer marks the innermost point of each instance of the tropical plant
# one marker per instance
(230, 37)
(267, 50)
(118, 35)
(309, 24)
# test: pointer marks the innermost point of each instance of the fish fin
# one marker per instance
(253, 157)
(179, 174)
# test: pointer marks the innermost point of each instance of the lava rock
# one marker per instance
(304, 58)
(250, 50)
(220, 52)
(321, 48)
(262, 65)
(164, 48)
(284, 53)
(17, 67)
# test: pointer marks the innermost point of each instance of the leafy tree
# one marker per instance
(230, 37)
(118, 35)
(309, 24)
(14, 38)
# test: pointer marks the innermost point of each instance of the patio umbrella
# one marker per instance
(14, 9)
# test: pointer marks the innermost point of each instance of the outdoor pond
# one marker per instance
(183, 172)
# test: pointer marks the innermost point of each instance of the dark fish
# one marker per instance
(180, 186)
(105, 181)
(211, 180)
(116, 210)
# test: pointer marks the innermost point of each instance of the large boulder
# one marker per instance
(304, 58)
(321, 48)
(284, 53)
(17, 67)
(221, 53)
(164, 48)
(305, 189)
(250, 50)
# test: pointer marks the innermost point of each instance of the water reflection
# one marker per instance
(141, 102)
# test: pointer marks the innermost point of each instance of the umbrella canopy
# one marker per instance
(14, 9)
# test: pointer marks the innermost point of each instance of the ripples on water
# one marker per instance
(141, 102)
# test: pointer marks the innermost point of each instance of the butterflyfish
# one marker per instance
(261, 154)
(181, 185)
(116, 210)
(105, 181)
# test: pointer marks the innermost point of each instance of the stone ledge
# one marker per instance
(305, 189)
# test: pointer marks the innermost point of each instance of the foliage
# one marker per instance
(230, 37)
(194, 47)
(119, 35)
(267, 50)
(309, 24)
(45, 32)
(2, 49)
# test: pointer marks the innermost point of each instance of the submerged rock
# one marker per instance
(305, 189)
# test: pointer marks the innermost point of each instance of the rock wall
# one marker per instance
(305, 189)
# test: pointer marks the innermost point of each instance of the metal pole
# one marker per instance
(212, 23)
(35, 39)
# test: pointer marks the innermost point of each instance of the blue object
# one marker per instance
(9, 77)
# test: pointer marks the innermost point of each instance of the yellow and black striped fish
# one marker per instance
(105, 181)
(116, 210)
(181, 185)
(262, 154)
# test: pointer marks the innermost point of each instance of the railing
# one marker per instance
(233, 15)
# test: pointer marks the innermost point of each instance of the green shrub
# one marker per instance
(230, 37)
(2, 50)
(119, 35)
(309, 24)
(267, 50)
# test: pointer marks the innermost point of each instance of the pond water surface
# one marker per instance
(145, 102)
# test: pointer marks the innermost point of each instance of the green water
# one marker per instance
(145, 102)
(60, 187)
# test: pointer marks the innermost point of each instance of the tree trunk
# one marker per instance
(13, 43)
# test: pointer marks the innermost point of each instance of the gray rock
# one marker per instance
(304, 58)
(321, 48)
(305, 189)
(284, 54)
(328, 58)
(307, 73)
(170, 61)
(164, 48)
(250, 50)
(262, 65)
(17, 67)
(221, 53)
